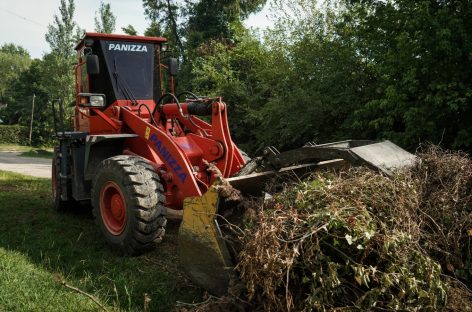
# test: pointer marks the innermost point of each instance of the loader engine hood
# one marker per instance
(131, 67)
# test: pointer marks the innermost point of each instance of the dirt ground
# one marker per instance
(37, 167)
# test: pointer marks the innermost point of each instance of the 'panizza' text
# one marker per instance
(168, 158)
(127, 47)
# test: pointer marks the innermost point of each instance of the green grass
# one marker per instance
(38, 153)
(39, 248)
(28, 151)
(25, 287)
(14, 147)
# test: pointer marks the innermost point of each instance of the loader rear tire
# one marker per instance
(129, 204)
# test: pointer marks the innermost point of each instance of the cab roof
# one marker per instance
(128, 38)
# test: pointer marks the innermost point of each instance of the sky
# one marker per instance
(24, 22)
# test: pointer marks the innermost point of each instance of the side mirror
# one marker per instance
(93, 66)
(173, 66)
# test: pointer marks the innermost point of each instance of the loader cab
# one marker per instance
(115, 70)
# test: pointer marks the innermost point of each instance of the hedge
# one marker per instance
(13, 134)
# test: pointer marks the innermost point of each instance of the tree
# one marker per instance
(105, 20)
(14, 60)
(60, 35)
(208, 19)
(129, 30)
(242, 8)
(164, 16)
(419, 56)
(214, 19)
(315, 79)
(14, 49)
(238, 73)
(153, 30)
(397, 70)
(30, 82)
(58, 73)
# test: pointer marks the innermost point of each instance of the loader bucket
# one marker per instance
(384, 156)
(202, 251)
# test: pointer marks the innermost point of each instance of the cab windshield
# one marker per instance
(131, 68)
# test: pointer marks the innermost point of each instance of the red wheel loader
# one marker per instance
(140, 152)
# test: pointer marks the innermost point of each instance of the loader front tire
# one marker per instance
(129, 204)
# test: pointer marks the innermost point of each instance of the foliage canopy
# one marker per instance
(334, 70)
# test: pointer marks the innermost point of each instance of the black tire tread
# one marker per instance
(143, 192)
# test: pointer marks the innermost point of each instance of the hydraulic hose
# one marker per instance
(158, 104)
(149, 111)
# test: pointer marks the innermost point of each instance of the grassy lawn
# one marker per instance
(13, 147)
(38, 153)
(40, 248)
(28, 151)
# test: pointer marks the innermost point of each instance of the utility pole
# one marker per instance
(31, 123)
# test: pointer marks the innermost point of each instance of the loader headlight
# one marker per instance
(97, 101)
(91, 100)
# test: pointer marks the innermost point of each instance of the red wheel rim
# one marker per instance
(113, 208)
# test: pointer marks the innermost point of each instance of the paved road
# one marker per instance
(37, 167)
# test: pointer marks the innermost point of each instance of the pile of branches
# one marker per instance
(358, 241)
(341, 241)
(443, 180)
